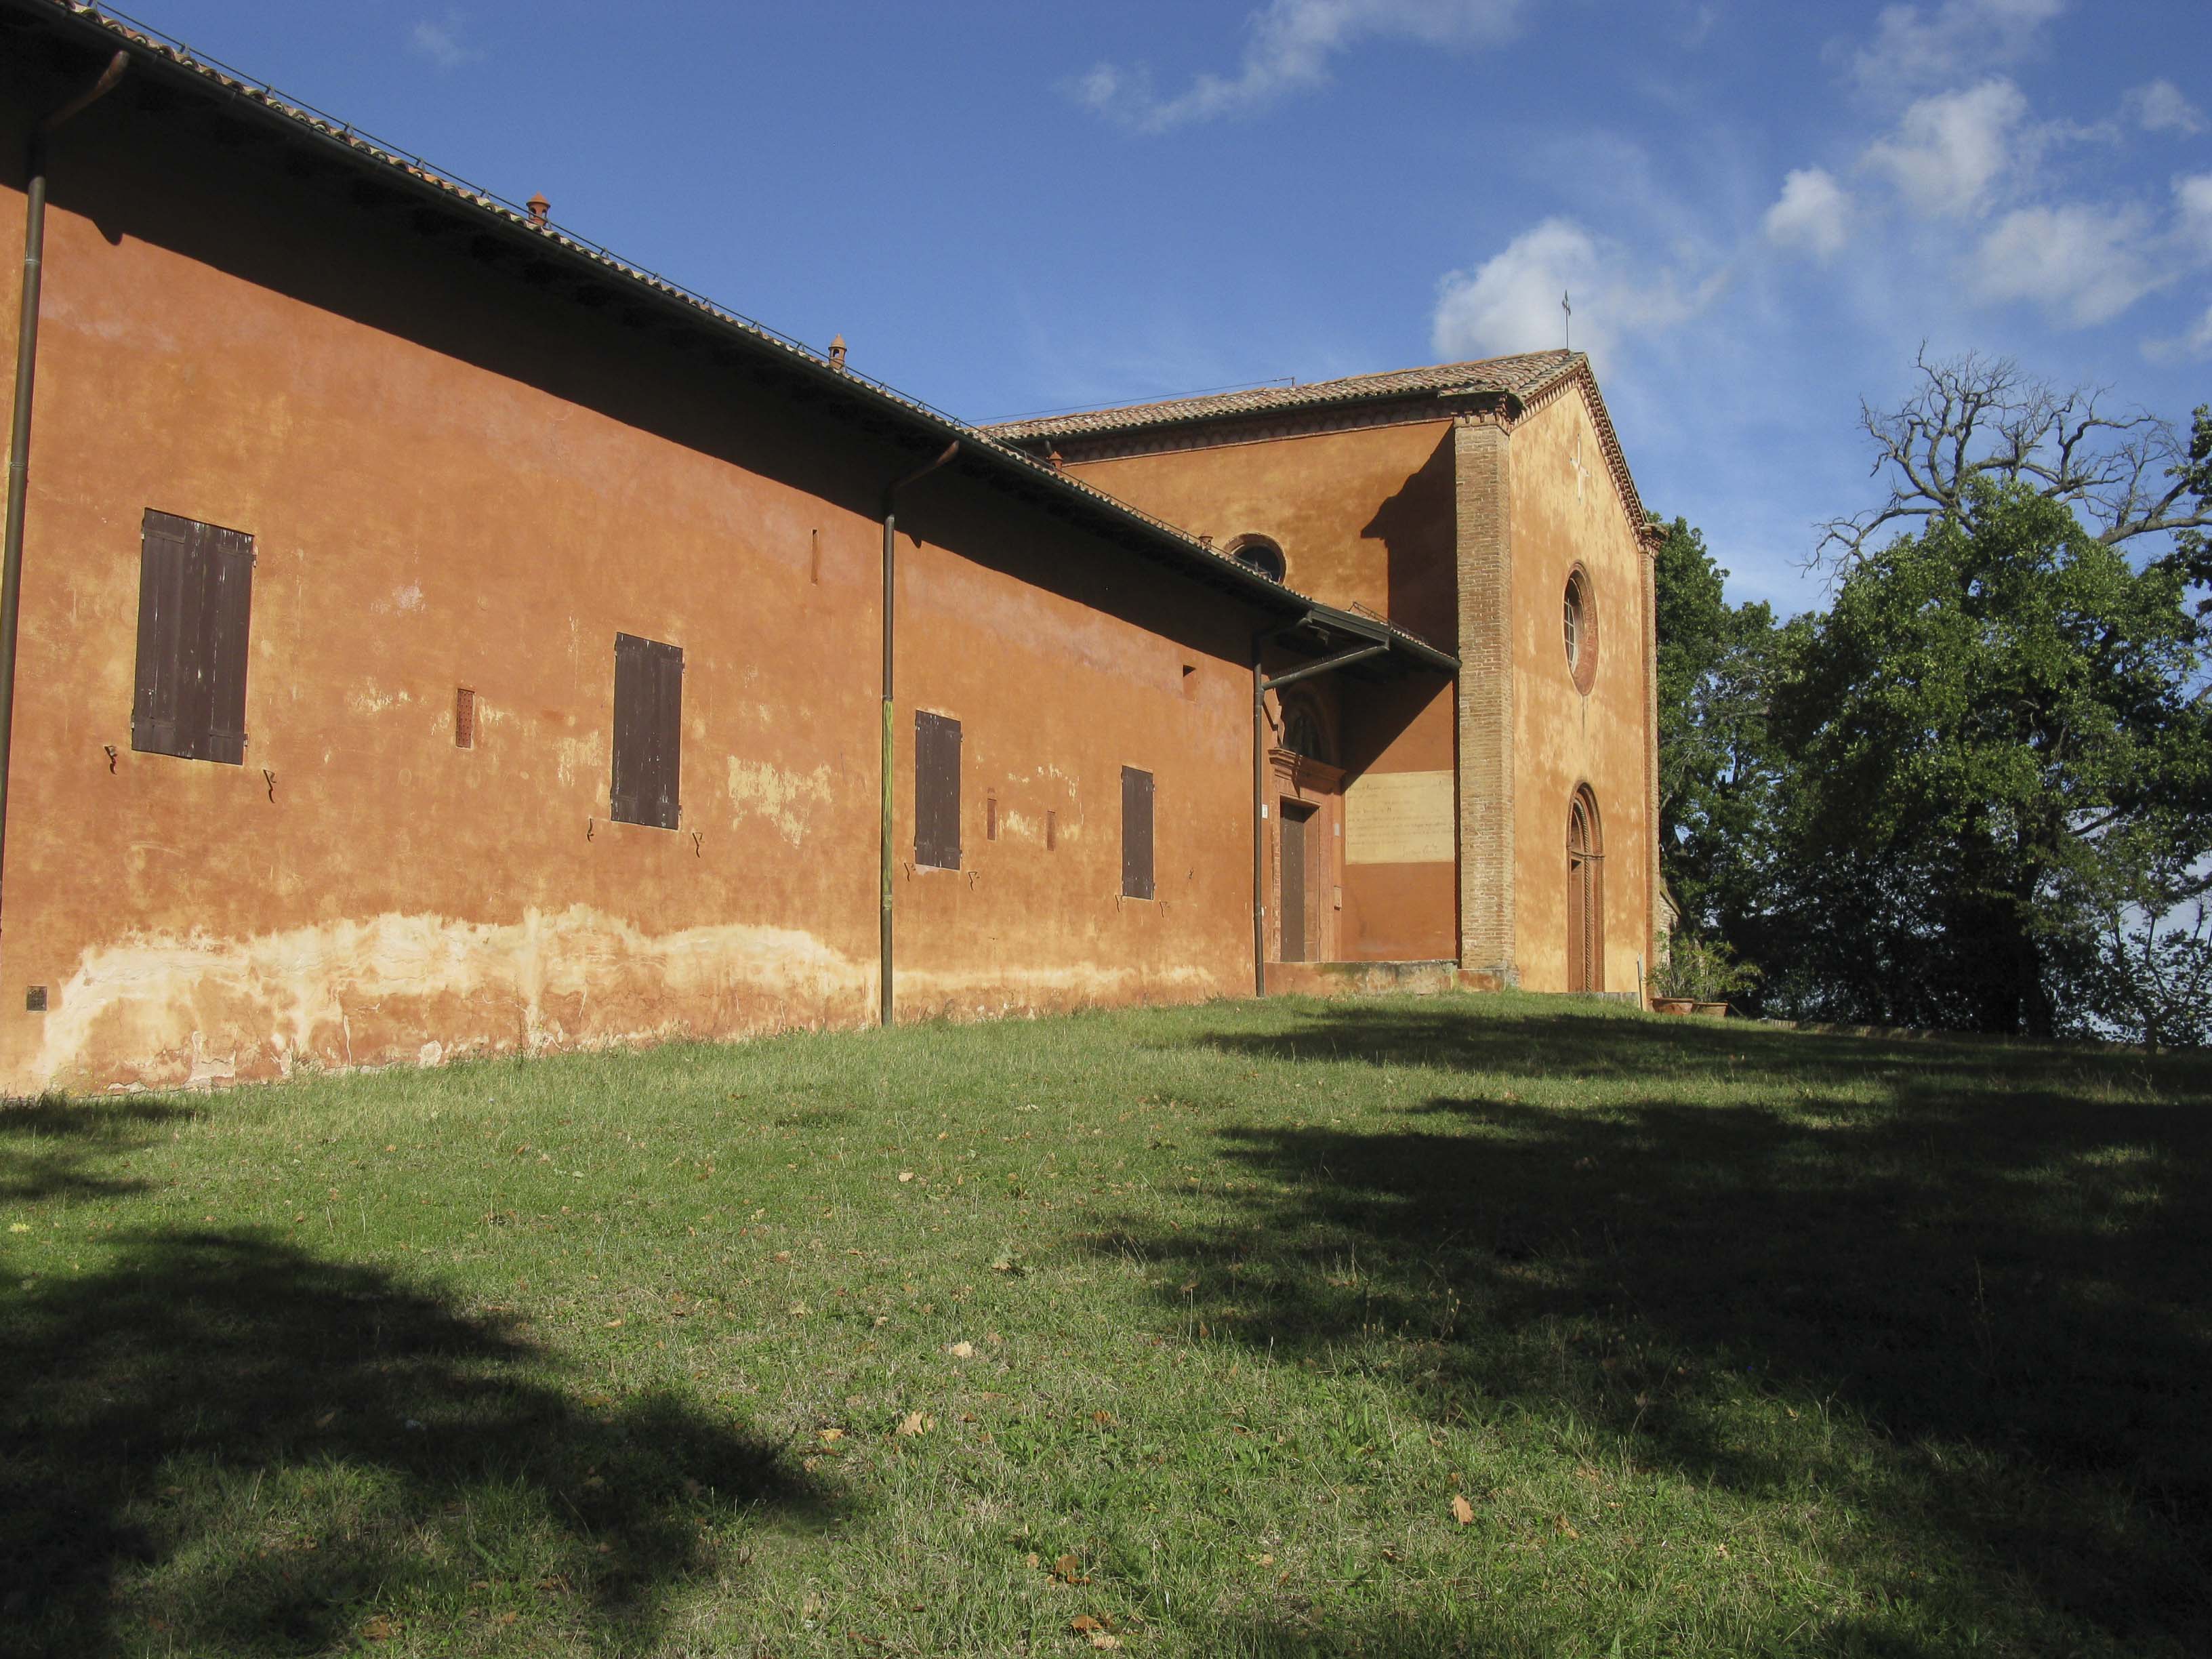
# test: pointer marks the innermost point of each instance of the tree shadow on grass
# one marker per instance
(293, 1446)
(1985, 1269)
(1574, 1042)
(54, 1147)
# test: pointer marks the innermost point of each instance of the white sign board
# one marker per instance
(1399, 817)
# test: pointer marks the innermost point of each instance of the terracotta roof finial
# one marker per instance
(1055, 460)
(838, 351)
(539, 207)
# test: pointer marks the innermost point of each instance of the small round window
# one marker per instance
(1580, 627)
(1261, 554)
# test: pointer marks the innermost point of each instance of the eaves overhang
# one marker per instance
(504, 235)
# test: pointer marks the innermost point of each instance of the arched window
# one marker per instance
(1585, 895)
(1261, 554)
(1304, 734)
(1580, 628)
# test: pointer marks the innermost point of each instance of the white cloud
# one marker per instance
(2082, 263)
(2196, 342)
(1292, 43)
(1511, 302)
(1813, 215)
(442, 44)
(2192, 214)
(2160, 106)
(1949, 150)
(1913, 47)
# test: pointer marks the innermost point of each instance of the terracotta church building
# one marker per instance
(424, 634)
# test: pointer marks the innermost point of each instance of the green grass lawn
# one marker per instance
(1462, 1325)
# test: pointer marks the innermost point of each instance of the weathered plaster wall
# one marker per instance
(1362, 517)
(454, 480)
(1566, 509)
(1365, 518)
(1400, 911)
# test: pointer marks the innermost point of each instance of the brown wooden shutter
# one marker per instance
(162, 558)
(229, 566)
(668, 735)
(649, 747)
(936, 791)
(195, 615)
(634, 687)
(1136, 833)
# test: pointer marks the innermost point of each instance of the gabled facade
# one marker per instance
(1484, 506)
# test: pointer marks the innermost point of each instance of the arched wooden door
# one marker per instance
(1585, 896)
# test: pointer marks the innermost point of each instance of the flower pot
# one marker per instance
(1717, 1010)
(1672, 1006)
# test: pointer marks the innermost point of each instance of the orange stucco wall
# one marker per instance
(1402, 912)
(1365, 518)
(1562, 738)
(1362, 517)
(452, 479)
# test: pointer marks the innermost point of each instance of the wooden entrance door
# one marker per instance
(1585, 897)
(1291, 872)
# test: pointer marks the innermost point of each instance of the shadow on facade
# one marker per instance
(291, 1439)
(1418, 528)
(1984, 1267)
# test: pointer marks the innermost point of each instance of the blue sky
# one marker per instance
(1762, 209)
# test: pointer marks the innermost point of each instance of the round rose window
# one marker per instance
(1581, 630)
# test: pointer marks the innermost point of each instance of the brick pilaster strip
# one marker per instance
(1483, 478)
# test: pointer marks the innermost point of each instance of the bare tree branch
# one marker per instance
(1976, 419)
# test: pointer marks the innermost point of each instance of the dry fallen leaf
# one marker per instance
(1069, 1571)
(379, 1629)
(962, 1351)
(1099, 1638)
(612, 1323)
(915, 1422)
(1083, 1623)
(906, 1174)
(1462, 1511)
(326, 1420)
(831, 1437)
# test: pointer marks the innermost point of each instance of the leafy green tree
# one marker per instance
(2003, 750)
(1719, 770)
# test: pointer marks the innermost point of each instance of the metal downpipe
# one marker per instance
(883, 997)
(19, 426)
(1259, 820)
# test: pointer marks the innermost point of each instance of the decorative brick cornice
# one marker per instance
(1578, 374)
(1230, 432)
(1490, 408)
